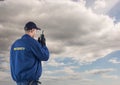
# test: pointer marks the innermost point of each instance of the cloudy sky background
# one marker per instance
(82, 36)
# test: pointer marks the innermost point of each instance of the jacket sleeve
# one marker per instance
(41, 52)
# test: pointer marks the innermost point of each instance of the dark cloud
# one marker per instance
(66, 25)
(71, 30)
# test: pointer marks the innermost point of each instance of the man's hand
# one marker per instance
(42, 40)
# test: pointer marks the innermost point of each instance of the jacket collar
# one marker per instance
(26, 36)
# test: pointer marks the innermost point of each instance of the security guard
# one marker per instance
(26, 55)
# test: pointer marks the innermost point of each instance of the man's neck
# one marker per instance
(30, 34)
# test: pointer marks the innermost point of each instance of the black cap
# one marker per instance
(31, 25)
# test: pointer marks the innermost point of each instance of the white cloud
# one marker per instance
(64, 71)
(100, 71)
(102, 6)
(110, 76)
(71, 77)
(99, 4)
(52, 62)
(114, 61)
(66, 80)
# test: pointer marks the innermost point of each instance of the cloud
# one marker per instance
(114, 61)
(65, 80)
(100, 71)
(55, 47)
(110, 76)
(54, 63)
(4, 75)
(101, 6)
(63, 77)
(82, 34)
(71, 29)
(62, 71)
(4, 64)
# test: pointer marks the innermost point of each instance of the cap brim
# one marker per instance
(38, 28)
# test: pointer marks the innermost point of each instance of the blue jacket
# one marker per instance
(25, 59)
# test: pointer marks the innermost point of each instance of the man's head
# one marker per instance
(30, 28)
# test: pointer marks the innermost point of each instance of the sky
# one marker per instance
(82, 36)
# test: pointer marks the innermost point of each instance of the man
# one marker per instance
(26, 55)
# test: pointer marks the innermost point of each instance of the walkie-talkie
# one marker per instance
(42, 39)
(42, 35)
